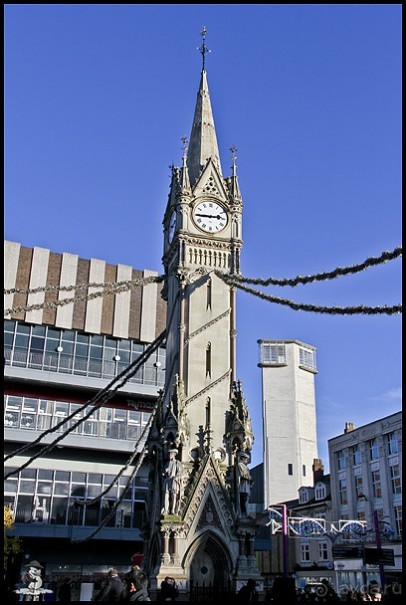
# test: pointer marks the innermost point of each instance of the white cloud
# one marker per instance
(394, 394)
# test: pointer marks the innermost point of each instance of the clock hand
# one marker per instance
(217, 216)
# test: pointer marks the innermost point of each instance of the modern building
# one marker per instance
(56, 359)
(366, 485)
(288, 368)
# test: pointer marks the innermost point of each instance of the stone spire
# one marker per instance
(203, 141)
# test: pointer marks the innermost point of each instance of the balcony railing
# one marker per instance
(148, 375)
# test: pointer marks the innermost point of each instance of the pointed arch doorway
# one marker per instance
(209, 566)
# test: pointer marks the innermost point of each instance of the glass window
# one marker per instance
(9, 325)
(323, 551)
(340, 460)
(45, 474)
(95, 478)
(61, 489)
(38, 330)
(23, 329)
(359, 491)
(304, 553)
(68, 335)
(62, 476)
(92, 514)
(79, 477)
(342, 488)
(29, 473)
(392, 441)
(97, 340)
(376, 484)
(398, 519)
(58, 511)
(395, 479)
(273, 353)
(37, 343)
(356, 455)
(24, 509)
(27, 486)
(307, 358)
(290, 469)
(8, 340)
(373, 449)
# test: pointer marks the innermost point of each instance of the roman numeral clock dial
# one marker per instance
(210, 217)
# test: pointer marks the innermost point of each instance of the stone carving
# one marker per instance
(172, 485)
(244, 482)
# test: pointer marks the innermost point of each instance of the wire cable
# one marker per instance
(339, 271)
(121, 497)
(355, 310)
(127, 373)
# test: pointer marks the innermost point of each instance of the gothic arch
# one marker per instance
(208, 552)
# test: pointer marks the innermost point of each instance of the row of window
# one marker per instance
(276, 354)
(58, 498)
(41, 414)
(395, 478)
(391, 444)
(68, 351)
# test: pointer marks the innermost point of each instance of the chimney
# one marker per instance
(349, 426)
(318, 470)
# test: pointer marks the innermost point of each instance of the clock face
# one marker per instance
(210, 216)
(172, 226)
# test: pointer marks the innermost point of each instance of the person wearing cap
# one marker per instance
(112, 589)
(135, 584)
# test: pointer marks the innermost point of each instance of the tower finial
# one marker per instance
(185, 141)
(233, 149)
(203, 48)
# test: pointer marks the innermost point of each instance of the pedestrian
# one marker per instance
(248, 593)
(112, 589)
(135, 585)
(64, 592)
(169, 590)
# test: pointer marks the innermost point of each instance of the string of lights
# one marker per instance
(336, 310)
(130, 282)
(337, 272)
(68, 301)
(105, 396)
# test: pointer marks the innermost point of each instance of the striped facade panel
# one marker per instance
(22, 280)
(11, 257)
(148, 309)
(135, 308)
(160, 313)
(69, 269)
(108, 310)
(121, 326)
(79, 308)
(137, 314)
(53, 279)
(95, 306)
(38, 279)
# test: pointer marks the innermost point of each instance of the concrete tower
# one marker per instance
(289, 415)
(198, 529)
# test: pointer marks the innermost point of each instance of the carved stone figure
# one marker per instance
(245, 482)
(172, 485)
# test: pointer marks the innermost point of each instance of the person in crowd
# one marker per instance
(169, 590)
(248, 593)
(112, 589)
(136, 585)
(64, 592)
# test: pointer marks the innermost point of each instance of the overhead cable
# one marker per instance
(353, 310)
(100, 398)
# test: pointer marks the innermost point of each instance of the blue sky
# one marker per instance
(97, 98)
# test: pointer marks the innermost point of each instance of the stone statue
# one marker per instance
(172, 485)
(245, 482)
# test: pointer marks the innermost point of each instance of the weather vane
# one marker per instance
(233, 149)
(185, 141)
(203, 48)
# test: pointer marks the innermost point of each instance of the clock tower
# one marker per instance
(199, 529)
